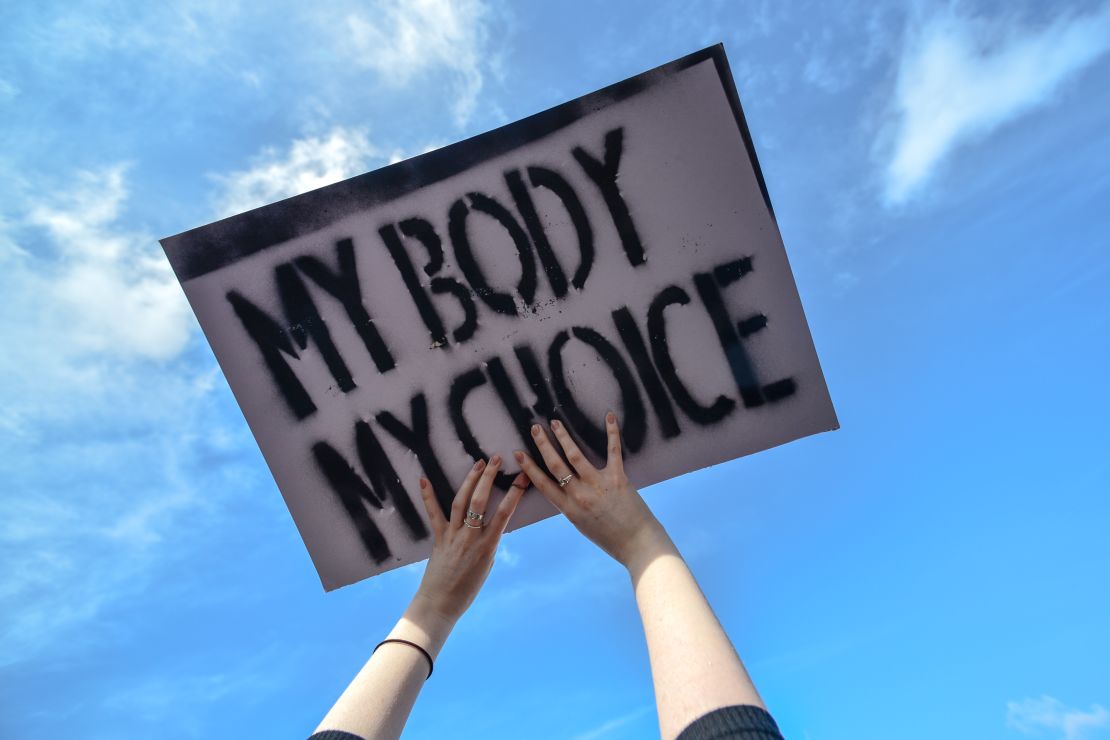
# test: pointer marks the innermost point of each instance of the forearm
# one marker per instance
(694, 667)
(378, 701)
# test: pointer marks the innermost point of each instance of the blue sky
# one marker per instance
(936, 568)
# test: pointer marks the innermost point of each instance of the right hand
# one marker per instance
(463, 555)
(602, 504)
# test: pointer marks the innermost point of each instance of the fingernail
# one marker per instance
(495, 460)
(478, 465)
(423, 483)
(611, 418)
(535, 430)
(519, 456)
(555, 424)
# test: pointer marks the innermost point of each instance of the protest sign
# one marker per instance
(617, 251)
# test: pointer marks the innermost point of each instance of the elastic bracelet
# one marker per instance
(424, 652)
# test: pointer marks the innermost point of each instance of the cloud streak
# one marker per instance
(961, 78)
(605, 729)
(1047, 713)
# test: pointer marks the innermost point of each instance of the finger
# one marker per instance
(574, 455)
(551, 459)
(481, 490)
(616, 460)
(508, 504)
(542, 481)
(435, 513)
(462, 496)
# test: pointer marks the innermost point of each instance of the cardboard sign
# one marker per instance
(616, 252)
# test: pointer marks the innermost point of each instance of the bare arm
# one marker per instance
(378, 701)
(694, 666)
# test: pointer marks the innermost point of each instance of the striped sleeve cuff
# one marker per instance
(740, 722)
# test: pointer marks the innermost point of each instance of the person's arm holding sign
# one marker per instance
(701, 686)
(378, 701)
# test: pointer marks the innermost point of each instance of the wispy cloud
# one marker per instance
(187, 690)
(606, 728)
(405, 40)
(8, 90)
(962, 77)
(93, 507)
(1046, 713)
(309, 163)
(191, 693)
(507, 556)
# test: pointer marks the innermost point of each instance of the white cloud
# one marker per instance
(405, 40)
(102, 417)
(82, 297)
(960, 78)
(115, 288)
(1046, 713)
(310, 163)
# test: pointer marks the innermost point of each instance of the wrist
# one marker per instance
(645, 546)
(423, 622)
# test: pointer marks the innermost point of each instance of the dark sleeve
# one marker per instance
(740, 722)
(334, 735)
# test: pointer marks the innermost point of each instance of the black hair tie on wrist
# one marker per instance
(423, 652)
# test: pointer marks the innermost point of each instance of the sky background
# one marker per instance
(936, 568)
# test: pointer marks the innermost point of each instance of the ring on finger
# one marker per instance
(565, 479)
(475, 517)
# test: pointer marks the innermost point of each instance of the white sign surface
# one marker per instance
(618, 251)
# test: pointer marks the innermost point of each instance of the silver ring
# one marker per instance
(565, 479)
(468, 525)
(473, 516)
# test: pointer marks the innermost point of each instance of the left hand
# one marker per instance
(462, 555)
(601, 504)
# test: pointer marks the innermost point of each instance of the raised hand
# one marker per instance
(600, 503)
(465, 545)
